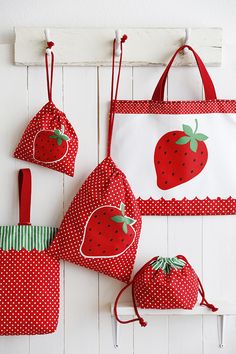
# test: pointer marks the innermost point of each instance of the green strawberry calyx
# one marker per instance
(123, 219)
(59, 136)
(166, 263)
(191, 137)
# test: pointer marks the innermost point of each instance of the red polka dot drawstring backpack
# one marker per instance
(101, 228)
(29, 281)
(164, 283)
(49, 139)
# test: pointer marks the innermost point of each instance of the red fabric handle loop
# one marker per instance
(209, 88)
(204, 302)
(24, 184)
(139, 318)
(49, 77)
(114, 99)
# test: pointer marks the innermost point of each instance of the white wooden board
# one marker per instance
(93, 46)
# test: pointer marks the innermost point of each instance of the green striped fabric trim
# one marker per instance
(26, 236)
(166, 263)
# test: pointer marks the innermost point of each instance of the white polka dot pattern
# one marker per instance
(29, 292)
(185, 206)
(174, 107)
(157, 290)
(49, 118)
(106, 185)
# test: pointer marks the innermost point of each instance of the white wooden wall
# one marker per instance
(208, 242)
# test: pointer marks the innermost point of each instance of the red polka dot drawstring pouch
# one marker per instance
(164, 283)
(29, 277)
(49, 139)
(101, 228)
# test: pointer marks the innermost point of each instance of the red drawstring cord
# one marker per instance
(113, 101)
(142, 322)
(49, 80)
(204, 302)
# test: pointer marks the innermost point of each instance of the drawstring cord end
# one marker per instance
(142, 322)
(210, 306)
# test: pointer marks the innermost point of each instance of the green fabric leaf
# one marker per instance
(53, 137)
(129, 221)
(64, 137)
(59, 141)
(125, 228)
(193, 145)
(200, 137)
(188, 130)
(166, 263)
(183, 140)
(118, 218)
(57, 132)
(122, 208)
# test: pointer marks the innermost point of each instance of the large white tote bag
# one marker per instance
(179, 156)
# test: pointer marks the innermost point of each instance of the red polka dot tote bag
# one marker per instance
(164, 283)
(49, 139)
(101, 228)
(29, 277)
(177, 155)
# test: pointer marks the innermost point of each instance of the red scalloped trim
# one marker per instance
(173, 107)
(195, 206)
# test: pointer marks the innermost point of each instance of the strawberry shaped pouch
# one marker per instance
(164, 283)
(29, 277)
(102, 226)
(177, 163)
(49, 139)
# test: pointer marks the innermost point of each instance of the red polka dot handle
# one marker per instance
(164, 283)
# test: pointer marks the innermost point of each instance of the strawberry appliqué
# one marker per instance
(50, 145)
(180, 156)
(108, 233)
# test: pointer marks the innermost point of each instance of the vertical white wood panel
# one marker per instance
(185, 233)
(13, 113)
(219, 233)
(47, 196)
(219, 264)
(153, 241)
(81, 285)
(108, 287)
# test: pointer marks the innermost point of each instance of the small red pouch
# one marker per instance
(164, 283)
(49, 139)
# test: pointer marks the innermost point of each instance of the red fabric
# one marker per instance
(209, 89)
(154, 289)
(89, 237)
(24, 182)
(173, 107)
(40, 144)
(29, 281)
(184, 206)
(29, 292)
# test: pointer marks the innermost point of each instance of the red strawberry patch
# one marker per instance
(50, 145)
(180, 156)
(108, 232)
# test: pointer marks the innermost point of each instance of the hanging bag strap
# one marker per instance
(138, 318)
(114, 97)
(24, 184)
(209, 88)
(204, 302)
(49, 77)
